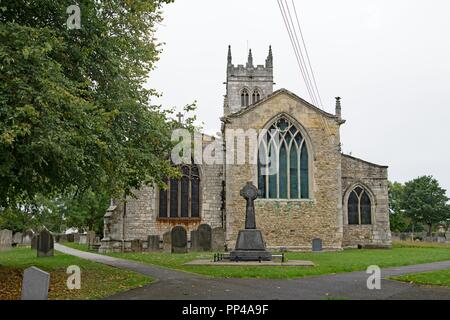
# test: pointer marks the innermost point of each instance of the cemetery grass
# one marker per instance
(325, 263)
(436, 278)
(97, 280)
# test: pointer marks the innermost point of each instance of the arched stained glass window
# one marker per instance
(244, 97)
(283, 162)
(359, 207)
(182, 197)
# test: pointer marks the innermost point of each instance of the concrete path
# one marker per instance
(171, 284)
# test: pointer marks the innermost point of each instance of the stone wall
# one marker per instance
(373, 178)
(138, 217)
(291, 224)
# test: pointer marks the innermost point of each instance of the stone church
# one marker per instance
(316, 191)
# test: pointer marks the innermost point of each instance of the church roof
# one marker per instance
(364, 161)
(276, 93)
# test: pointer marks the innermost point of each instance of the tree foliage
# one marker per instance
(74, 112)
(425, 201)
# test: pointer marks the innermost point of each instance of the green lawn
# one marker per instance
(13, 262)
(437, 278)
(325, 263)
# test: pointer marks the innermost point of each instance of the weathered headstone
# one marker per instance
(167, 241)
(27, 237)
(76, 237)
(34, 241)
(136, 245)
(194, 241)
(17, 238)
(218, 239)
(6, 239)
(317, 245)
(90, 238)
(45, 244)
(70, 237)
(35, 284)
(83, 239)
(204, 237)
(179, 240)
(153, 243)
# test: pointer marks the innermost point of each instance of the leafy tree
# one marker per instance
(398, 220)
(425, 201)
(73, 108)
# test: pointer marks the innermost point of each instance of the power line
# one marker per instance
(305, 67)
(296, 49)
(304, 63)
(306, 50)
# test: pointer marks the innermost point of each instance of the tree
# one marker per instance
(425, 201)
(398, 220)
(74, 112)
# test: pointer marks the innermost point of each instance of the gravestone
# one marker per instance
(167, 241)
(194, 241)
(70, 237)
(218, 239)
(153, 243)
(34, 241)
(317, 245)
(17, 238)
(136, 245)
(45, 244)
(204, 237)
(250, 245)
(76, 237)
(179, 240)
(35, 284)
(6, 239)
(83, 239)
(90, 238)
(27, 237)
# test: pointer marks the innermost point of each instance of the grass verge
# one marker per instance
(325, 262)
(97, 280)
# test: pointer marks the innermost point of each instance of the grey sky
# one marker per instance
(388, 60)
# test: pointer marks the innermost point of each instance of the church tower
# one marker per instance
(247, 84)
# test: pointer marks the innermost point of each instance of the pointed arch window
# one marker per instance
(359, 207)
(283, 162)
(244, 98)
(182, 197)
(256, 96)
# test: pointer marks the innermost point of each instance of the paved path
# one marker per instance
(171, 284)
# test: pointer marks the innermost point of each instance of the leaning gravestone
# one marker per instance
(204, 237)
(6, 239)
(34, 241)
(27, 237)
(17, 239)
(194, 241)
(218, 239)
(317, 245)
(153, 243)
(167, 241)
(35, 284)
(45, 244)
(179, 240)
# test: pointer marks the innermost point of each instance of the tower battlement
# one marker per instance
(247, 84)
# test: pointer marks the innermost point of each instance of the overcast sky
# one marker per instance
(388, 60)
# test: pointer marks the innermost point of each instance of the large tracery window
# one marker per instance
(244, 98)
(182, 197)
(283, 162)
(359, 207)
